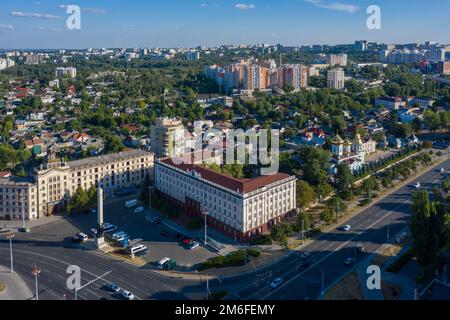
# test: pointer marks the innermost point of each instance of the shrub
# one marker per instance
(401, 262)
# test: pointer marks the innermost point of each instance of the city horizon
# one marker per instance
(42, 25)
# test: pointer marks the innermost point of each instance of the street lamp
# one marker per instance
(388, 235)
(205, 213)
(322, 289)
(36, 271)
(10, 237)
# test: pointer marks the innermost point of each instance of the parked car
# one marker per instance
(165, 234)
(187, 241)
(93, 232)
(193, 245)
(276, 283)
(127, 295)
(80, 237)
(417, 185)
(347, 227)
(131, 203)
(142, 252)
(153, 220)
(114, 287)
(108, 227)
(138, 209)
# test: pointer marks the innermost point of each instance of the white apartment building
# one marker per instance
(62, 71)
(165, 134)
(18, 198)
(240, 208)
(55, 183)
(336, 79)
(337, 59)
(6, 63)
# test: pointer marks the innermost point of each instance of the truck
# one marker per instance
(131, 203)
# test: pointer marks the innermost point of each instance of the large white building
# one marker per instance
(166, 134)
(6, 63)
(54, 184)
(240, 208)
(337, 59)
(336, 79)
(70, 71)
(18, 198)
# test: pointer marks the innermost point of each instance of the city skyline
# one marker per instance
(42, 24)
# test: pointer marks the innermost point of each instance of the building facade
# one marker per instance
(54, 184)
(336, 79)
(164, 135)
(240, 208)
(18, 198)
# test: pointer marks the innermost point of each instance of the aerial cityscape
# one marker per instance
(261, 151)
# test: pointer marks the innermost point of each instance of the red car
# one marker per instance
(187, 241)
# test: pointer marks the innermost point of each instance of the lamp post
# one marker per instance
(205, 213)
(36, 271)
(322, 288)
(10, 237)
(388, 224)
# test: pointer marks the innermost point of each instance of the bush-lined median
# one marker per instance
(234, 259)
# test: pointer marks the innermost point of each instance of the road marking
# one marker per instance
(343, 245)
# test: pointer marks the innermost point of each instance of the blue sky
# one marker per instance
(186, 23)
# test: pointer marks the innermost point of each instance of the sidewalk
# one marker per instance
(16, 289)
(16, 224)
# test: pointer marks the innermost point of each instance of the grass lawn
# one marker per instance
(347, 289)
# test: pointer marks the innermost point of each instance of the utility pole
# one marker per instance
(205, 213)
(36, 271)
(303, 229)
(10, 237)
(388, 235)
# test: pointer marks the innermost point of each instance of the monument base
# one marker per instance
(100, 243)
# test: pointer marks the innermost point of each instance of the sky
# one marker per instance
(28, 24)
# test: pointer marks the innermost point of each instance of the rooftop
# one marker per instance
(114, 157)
(16, 181)
(225, 181)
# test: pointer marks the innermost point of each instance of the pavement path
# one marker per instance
(16, 289)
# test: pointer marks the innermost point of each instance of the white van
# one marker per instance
(137, 248)
(162, 263)
(131, 203)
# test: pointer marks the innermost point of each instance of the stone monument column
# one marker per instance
(100, 239)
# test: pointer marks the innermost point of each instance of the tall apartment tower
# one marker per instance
(335, 79)
(165, 135)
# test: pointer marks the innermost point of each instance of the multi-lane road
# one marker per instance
(50, 247)
(325, 264)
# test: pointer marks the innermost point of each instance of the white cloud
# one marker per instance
(34, 15)
(350, 8)
(243, 6)
(50, 29)
(6, 27)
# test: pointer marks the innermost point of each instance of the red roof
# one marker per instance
(228, 182)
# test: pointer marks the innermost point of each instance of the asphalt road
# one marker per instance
(329, 251)
(50, 247)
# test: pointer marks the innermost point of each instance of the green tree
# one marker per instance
(305, 194)
(344, 178)
(370, 185)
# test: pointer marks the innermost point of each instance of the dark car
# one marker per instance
(165, 234)
(142, 253)
(179, 236)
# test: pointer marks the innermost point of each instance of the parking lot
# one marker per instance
(159, 238)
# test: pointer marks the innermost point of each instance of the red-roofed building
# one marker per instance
(240, 208)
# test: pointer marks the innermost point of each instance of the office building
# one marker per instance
(166, 134)
(336, 79)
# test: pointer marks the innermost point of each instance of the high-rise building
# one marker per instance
(62, 71)
(6, 63)
(255, 77)
(166, 135)
(192, 55)
(437, 55)
(361, 45)
(336, 79)
(337, 59)
(295, 76)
